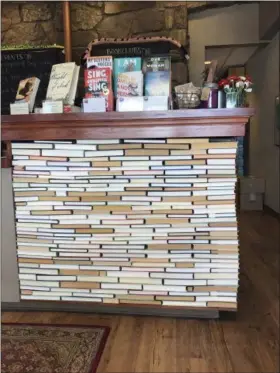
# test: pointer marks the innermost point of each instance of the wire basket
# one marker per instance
(189, 100)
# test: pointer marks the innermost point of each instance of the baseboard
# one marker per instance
(128, 310)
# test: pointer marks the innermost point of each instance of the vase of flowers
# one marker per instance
(235, 88)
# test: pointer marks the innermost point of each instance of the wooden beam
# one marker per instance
(117, 309)
(67, 31)
(200, 6)
(156, 124)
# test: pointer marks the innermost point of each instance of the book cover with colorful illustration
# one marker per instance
(100, 62)
(130, 84)
(124, 65)
(157, 83)
(98, 83)
(27, 90)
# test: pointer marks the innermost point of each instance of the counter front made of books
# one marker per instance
(126, 212)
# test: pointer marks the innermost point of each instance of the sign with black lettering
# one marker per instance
(18, 64)
(135, 47)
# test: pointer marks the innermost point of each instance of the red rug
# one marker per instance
(44, 348)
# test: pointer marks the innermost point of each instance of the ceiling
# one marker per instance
(232, 55)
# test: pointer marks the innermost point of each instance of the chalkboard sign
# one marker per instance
(136, 47)
(131, 49)
(18, 64)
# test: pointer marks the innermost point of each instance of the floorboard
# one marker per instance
(248, 342)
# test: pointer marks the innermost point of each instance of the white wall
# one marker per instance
(9, 268)
(238, 24)
(264, 155)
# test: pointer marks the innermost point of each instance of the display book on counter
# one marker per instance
(125, 80)
(19, 62)
(128, 83)
(61, 91)
(25, 97)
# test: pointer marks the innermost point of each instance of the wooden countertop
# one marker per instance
(156, 124)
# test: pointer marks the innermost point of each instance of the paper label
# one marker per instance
(50, 107)
(155, 103)
(94, 105)
(130, 103)
(19, 108)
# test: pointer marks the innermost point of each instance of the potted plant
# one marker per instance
(235, 88)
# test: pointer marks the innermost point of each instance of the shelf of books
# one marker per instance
(121, 84)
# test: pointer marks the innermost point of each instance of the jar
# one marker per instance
(212, 102)
(221, 99)
(235, 99)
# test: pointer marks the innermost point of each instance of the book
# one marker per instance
(98, 83)
(127, 64)
(124, 65)
(27, 91)
(130, 84)
(157, 83)
(100, 61)
(160, 63)
(63, 82)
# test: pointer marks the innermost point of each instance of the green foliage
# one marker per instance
(28, 46)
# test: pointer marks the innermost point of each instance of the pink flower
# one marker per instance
(249, 78)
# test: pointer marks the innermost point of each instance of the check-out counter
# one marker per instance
(126, 212)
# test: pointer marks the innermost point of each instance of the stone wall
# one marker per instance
(41, 23)
(28, 23)
(92, 20)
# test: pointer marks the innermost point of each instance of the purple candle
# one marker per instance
(212, 101)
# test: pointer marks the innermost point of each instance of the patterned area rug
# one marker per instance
(38, 348)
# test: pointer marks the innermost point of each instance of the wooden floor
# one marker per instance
(248, 343)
